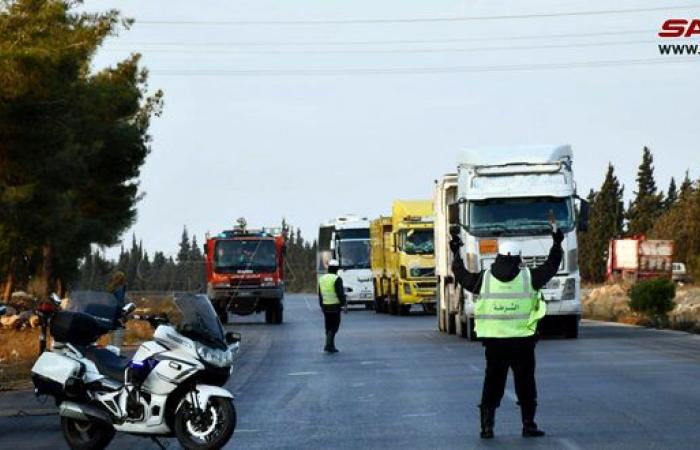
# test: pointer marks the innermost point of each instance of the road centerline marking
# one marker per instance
(301, 374)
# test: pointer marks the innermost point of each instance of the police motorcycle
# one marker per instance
(171, 387)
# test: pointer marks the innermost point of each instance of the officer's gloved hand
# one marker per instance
(558, 236)
(455, 244)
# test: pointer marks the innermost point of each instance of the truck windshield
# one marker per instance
(354, 254)
(497, 217)
(254, 254)
(417, 242)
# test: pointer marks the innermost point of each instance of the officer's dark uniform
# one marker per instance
(331, 312)
(515, 353)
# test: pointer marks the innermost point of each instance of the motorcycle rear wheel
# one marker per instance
(86, 434)
(207, 429)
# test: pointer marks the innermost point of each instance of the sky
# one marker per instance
(311, 109)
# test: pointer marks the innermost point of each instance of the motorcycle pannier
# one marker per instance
(51, 371)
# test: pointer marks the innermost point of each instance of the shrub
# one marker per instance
(653, 298)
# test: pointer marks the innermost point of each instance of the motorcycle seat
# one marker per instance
(109, 364)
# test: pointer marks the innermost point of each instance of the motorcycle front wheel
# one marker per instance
(86, 434)
(208, 428)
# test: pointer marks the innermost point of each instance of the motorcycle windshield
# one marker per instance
(198, 321)
(101, 305)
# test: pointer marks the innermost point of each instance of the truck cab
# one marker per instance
(346, 239)
(245, 272)
(404, 265)
(513, 193)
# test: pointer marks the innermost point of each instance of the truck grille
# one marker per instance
(245, 282)
(426, 285)
(534, 261)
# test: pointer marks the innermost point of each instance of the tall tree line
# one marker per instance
(674, 214)
(187, 271)
(72, 141)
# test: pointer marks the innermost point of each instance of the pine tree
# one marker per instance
(605, 223)
(647, 204)
(686, 187)
(671, 195)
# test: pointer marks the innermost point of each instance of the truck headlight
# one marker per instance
(572, 260)
(213, 356)
(569, 292)
(268, 282)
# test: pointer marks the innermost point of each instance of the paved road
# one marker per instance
(399, 384)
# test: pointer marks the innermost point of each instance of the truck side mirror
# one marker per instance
(583, 216)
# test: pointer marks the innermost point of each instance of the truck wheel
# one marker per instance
(449, 323)
(570, 327)
(279, 313)
(404, 310)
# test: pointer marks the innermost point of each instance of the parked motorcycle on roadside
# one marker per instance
(171, 387)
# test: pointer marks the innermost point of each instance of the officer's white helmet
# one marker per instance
(333, 263)
(510, 248)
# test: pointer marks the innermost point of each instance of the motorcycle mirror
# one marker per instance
(232, 337)
(128, 308)
(55, 298)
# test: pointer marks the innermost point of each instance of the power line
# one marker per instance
(392, 51)
(419, 70)
(391, 42)
(416, 20)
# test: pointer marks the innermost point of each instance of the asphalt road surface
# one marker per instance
(398, 383)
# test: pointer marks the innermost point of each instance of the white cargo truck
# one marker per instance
(346, 239)
(511, 193)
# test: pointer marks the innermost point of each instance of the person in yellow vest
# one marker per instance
(331, 298)
(506, 313)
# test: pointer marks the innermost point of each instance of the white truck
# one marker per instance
(510, 193)
(346, 239)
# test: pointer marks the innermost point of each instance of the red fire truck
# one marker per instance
(245, 272)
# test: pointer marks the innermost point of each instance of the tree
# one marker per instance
(605, 222)
(72, 181)
(671, 195)
(686, 187)
(647, 204)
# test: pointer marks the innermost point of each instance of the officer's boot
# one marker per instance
(329, 339)
(488, 419)
(332, 348)
(529, 426)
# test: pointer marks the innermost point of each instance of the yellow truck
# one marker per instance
(403, 258)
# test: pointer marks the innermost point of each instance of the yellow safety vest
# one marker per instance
(326, 283)
(508, 309)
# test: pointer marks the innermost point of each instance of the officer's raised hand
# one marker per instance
(455, 244)
(557, 236)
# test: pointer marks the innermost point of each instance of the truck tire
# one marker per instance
(450, 325)
(404, 310)
(570, 327)
(378, 305)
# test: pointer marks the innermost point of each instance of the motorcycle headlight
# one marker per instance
(215, 357)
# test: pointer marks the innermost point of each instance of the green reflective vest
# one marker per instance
(507, 310)
(326, 283)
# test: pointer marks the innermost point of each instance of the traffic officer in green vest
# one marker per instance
(331, 298)
(506, 313)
